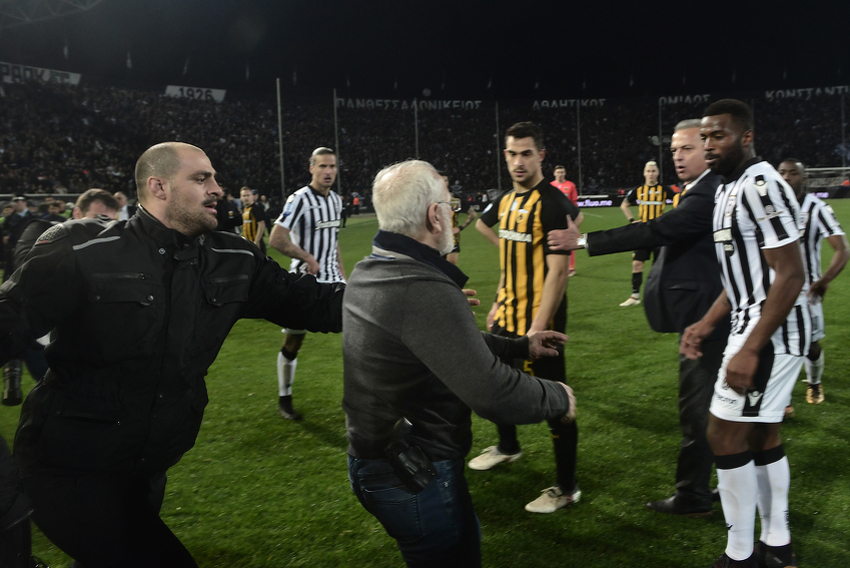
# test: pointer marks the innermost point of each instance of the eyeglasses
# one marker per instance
(454, 204)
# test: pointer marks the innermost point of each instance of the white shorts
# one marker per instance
(772, 385)
(816, 314)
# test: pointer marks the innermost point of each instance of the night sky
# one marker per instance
(455, 49)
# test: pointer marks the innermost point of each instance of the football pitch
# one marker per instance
(261, 491)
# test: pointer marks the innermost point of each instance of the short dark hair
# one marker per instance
(741, 113)
(321, 151)
(794, 161)
(559, 167)
(89, 196)
(527, 130)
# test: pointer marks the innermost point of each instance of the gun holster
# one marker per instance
(409, 462)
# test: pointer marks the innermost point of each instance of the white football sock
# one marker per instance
(814, 369)
(285, 374)
(738, 495)
(774, 480)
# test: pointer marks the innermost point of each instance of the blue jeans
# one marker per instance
(436, 527)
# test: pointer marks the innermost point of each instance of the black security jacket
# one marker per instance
(138, 313)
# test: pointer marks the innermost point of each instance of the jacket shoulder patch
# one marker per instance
(52, 234)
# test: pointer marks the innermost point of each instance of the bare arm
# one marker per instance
(261, 231)
(836, 265)
(279, 240)
(339, 261)
(695, 333)
(554, 286)
(787, 263)
(488, 233)
(491, 316)
(627, 211)
(470, 217)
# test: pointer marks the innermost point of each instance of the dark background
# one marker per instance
(455, 49)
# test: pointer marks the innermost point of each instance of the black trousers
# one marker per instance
(106, 520)
(696, 388)
(564, 436)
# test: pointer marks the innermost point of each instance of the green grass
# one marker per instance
(259, 491)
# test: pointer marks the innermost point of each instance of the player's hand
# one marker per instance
(491, 316)
(455, 230)
(571, 413)
(691, 345)
(740, 371)
(469, 297)
(564, 239)
(545, 343)
(817, 291)
(312, 265)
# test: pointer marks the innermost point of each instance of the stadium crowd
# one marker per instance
(58, 139)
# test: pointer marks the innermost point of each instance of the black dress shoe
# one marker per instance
(672, 506)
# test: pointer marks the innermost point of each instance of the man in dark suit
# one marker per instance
(682, 285)
(125, 210)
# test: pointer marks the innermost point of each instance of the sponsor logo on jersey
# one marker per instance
(770, 213)
(514, 236)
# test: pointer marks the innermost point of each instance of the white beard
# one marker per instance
(446, 242)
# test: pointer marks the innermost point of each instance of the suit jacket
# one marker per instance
(685, 278)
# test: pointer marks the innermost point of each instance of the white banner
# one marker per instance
(196, 93)
(12, 73)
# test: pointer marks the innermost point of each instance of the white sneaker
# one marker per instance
(491, 457)
(553, 499)
(632, 301)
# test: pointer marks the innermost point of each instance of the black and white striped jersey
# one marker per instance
(818, 222)
(313, 221)
(755, 211)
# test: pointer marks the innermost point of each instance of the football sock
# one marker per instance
(565, 442)
(736, 480)
(814, 369)
(637, 280)
(286, 363)
(508, 442)
(774, 479)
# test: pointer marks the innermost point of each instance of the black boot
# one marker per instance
(285, 406)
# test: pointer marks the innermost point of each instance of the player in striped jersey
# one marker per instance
(651, 199)
(307, 232)
(757, 241)
(531, 296)
(819, 224)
